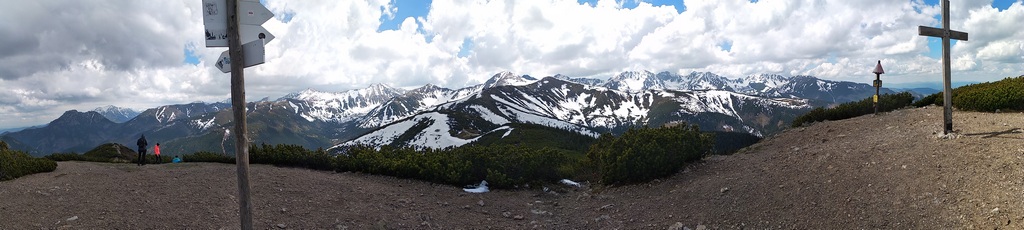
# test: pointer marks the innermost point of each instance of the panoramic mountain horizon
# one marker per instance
(321, 119)
(549, 114)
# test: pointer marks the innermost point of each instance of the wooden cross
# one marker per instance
(945, 33)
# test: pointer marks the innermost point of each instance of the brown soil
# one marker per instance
(892, 171)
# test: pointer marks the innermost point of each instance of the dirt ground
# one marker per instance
(892, 171)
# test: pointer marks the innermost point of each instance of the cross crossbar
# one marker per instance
(940, 33)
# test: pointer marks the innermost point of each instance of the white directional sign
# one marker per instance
(252, 52)
(253, 13)
(251, 16)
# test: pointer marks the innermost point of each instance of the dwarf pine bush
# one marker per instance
(887, 102)
(1006, 94)
(14, 164)
(644, 154)
(208, 157)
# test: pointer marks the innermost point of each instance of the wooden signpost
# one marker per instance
(225, 26)
(878, 82)
(945, 33)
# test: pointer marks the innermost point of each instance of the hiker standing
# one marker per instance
(142, 149)
(156, 151)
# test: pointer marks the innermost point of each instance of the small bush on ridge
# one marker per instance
(887, 102)
(641, 155)
(14, 164)
(208, 157)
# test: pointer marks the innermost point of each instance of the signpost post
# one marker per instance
(878, 82)
(226, 27)
(947, 91)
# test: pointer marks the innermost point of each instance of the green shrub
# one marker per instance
(113, 152)
(207, 157)
(887, 102)
(14, 164)
(1006, 94)
(290, 155)
(934, 99)
(641, 155)
(65, 157)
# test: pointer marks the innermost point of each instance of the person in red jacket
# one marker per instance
(156, 151)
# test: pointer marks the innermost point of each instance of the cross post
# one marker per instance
(947, 91)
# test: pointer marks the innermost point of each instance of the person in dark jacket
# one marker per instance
(142, 149)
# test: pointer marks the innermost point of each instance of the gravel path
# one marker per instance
(892, 171)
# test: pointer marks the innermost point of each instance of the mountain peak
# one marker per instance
(76, 117)
(427, 88)
(635, 81)
(508, 78)
(382, 89)
(380, 86)
(116, 114)
(105, 108)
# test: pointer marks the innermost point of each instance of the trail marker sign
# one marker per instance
(251, 16)
(947, 91)
(254, 53)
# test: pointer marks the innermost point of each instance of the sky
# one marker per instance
(59, 55)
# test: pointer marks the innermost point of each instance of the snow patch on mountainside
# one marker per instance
(164, 116)
(384, 136)
(517, 112)
(489, 116)
(507, 132)
(203, 124)
(415, 101)
(437, 135)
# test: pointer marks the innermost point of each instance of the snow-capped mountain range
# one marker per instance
(432, 116)
(342, 106)
(582, 109)
(116, 114)
(820, 92)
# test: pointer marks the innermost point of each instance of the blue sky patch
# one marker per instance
(632, 4)
(285, 17)
(190, 55)
(467, 45)
(406, 8)
(935, 47)
(1002, 4)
